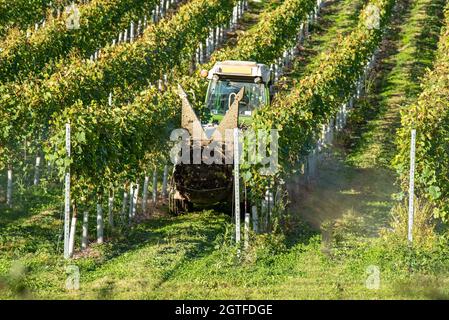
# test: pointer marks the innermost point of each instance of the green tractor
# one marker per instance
(236, 89)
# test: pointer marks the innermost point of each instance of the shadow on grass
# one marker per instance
(191, 236)
(33, 223)
(427, 41)
(343, 191)
(361, 124)
(31, 203)
(337, 18)
(162, 229)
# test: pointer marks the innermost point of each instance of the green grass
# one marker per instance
(337, 18)
(191, 257)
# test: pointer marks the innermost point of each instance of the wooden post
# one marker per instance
(411, 187)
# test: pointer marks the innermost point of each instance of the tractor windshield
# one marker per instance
(222, 93)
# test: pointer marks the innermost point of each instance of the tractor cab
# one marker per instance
(226, 79)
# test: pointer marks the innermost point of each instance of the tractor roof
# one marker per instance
(241, 69)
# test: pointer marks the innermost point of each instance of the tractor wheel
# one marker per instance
(173, 207)
(178, 206)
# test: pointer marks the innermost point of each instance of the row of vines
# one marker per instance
(27, 108)
(138, 132)
(429, 116)
(300, 114)
(98, 23)
(22, 13)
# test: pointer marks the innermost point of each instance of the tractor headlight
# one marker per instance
(204, 73)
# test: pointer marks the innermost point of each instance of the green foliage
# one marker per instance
(276, 31)
(424, 232)
(100, 22)
(112, 143)
(22, 13)
(430, 117)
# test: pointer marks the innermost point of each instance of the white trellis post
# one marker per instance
(164, 182)
(85, 230)
(135, 197)
(247, 220)
(155, 12)
(198, 56)
(36, 171)
(100, 224)
(125, 201)
(131, 201)
(255, 219)
(154, 186)
(139, 28)
(72, 234)
(9, 188)
(145, 194)
(237, 185)
(111, 209)
(270, 202)
(201, 50)
(131, 32)
(67, 195)
(264, 213)
(412, 186)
